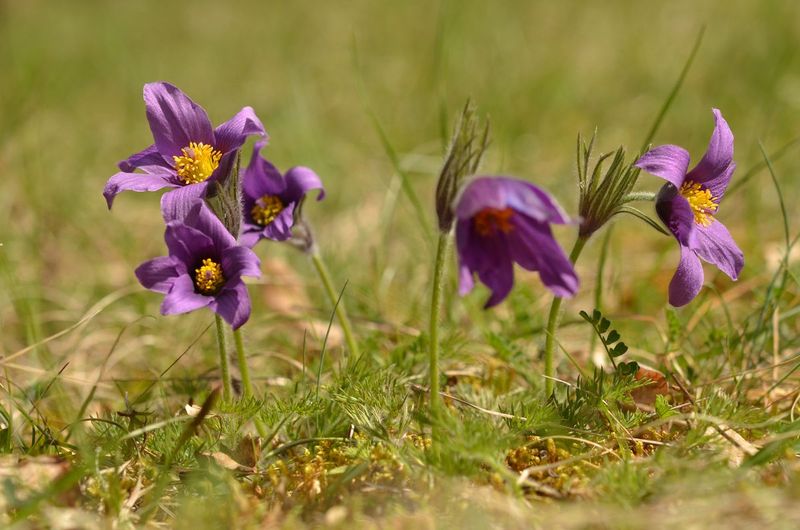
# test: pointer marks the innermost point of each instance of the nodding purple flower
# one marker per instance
(688, 204)
(503, 220)
(187, 153)
(270, 198)
(204, 268)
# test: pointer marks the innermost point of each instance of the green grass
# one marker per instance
(94, 429)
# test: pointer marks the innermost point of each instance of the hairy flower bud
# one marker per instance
(225, 198)
(603, 194)
(469, 141)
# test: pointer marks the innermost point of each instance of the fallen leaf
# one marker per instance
(193, 410)
(226, 462)
(285, 293)
(645, 396)
(733, 444)
(28, 476)
(248, 451)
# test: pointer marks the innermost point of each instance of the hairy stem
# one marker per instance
(552, 323)
(436, 304)
(341, 312)
(639, 196)
(247, 385)
(227, 388)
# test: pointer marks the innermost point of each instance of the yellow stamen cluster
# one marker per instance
(197, 163)
(267, 209)
(490, 220)
(208, 277)
(703, 204)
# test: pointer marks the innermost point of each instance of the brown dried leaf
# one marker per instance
(248, 451)
(30, 475)
(646, 395)
(226, 462)
(193, 410)
(733, 444)
(285, 294)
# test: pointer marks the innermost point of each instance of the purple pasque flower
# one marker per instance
(204, 268)
(502, 220)
(688, 203)
(270, 198)
(187, 153)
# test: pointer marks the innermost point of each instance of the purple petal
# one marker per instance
(503, 192)
(261, 177)
(175, 120)
(718, 157)
(718, 184)
(148, 160)
(674, 211)
(183, 298)
(467, 245)
(669, 162)
(280, 229)
(203, 219)
(688, 279)
(251, 234)
(489, 257)
(240, 261)
(715, 245)
(157, 274)
(499, 277)
(533, 246)
(465, 281)
(188, 244)
(233, 305)
(136, 182)
(176, 204)
(299, 181)
(232, 134)
(225, 169)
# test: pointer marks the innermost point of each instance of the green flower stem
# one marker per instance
(227, 388)
(436, 304)
(341, 312)
(247, 385)
(639, 196)
(245, 371)
(552, 323)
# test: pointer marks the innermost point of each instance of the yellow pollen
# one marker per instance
(490, 220)
(701, 201)
(197, 163)
(267, 209)
(208, 277)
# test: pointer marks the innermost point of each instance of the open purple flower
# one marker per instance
(270, 198)
(687, 205)
(204, 268)
(188, 153)
(502, 220)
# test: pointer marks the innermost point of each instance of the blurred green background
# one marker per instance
(71, 75)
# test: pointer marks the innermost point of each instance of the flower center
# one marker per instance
(197, 163)
(701, 201)
(491, 220)
(208, 277)
(267, 209)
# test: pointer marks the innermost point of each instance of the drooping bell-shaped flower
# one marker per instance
(503, 220)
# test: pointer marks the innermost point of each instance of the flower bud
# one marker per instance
(225, 197)
(603, 194)
(469, 141)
